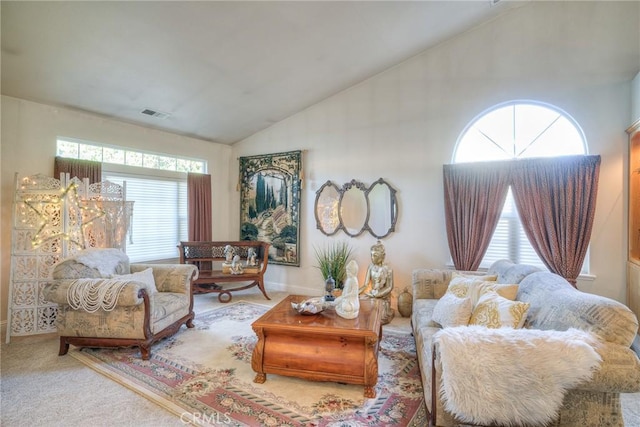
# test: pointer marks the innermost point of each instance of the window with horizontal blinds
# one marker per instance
(509, 240)
(511, 130)
(159, 214)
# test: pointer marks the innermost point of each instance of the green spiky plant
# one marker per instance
(332, 261)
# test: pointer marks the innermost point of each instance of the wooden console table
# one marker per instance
(208, 257)
(320, 347)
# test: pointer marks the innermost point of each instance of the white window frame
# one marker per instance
(153, 173)
(146, 157)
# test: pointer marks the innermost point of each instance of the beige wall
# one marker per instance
(635, 108)
(29, 132)
(403, 124)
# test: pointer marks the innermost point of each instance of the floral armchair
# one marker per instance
(103, 301)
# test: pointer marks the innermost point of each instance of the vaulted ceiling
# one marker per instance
(214, 70)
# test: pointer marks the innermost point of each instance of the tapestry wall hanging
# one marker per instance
(270, 203)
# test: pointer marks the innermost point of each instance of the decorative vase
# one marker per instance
(405, 303)
(329, 286)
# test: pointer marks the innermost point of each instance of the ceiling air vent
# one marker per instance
(154, 113)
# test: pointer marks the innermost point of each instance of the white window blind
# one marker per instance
(509, 240)
(159, 214)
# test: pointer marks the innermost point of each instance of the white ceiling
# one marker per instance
(223, 70)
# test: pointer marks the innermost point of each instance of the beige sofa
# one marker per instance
(153, 302)
(554, 305)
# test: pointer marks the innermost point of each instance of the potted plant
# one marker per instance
(332, 261)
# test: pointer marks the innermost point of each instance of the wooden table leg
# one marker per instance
(257, 357)
(370, 366)
(369, 392)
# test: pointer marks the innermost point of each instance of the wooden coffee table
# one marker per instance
(319, 347)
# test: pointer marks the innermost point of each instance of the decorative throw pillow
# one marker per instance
(495, 311)
(508, 291)
(474, 288)
(481, 277)
(144, 276)
(452, 311)
(459, 285)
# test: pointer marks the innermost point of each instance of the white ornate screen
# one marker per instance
(53, 219)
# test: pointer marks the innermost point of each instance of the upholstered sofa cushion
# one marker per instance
(423, 330)
(169, 277)
(508, 272)
(555, 304)
(433, 283)
(167, 308)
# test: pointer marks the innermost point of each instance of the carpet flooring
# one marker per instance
(40, 388)
(204, 374)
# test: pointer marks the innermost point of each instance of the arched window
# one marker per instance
(512, 130)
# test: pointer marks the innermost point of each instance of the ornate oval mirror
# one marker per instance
(383, 209)
(326, 208)
(353, 209)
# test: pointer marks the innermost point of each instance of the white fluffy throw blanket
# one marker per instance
(511, 376)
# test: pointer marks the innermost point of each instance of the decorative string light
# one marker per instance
(47, 208)
(89, 222)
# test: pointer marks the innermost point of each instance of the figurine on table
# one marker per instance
(251, 257)
(229, 253)
(378, 282)
(236, 265)
(348, 304)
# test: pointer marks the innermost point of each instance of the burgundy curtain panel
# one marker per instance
(199, 206)
(78, 168)
(474, 194)
(556, 200)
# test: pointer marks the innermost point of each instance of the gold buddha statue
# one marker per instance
(378, 282)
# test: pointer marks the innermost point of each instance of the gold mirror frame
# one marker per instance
(355, 208)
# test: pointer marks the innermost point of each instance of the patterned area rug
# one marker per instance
(204, 376)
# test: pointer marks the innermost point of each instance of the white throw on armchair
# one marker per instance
(103, 301)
